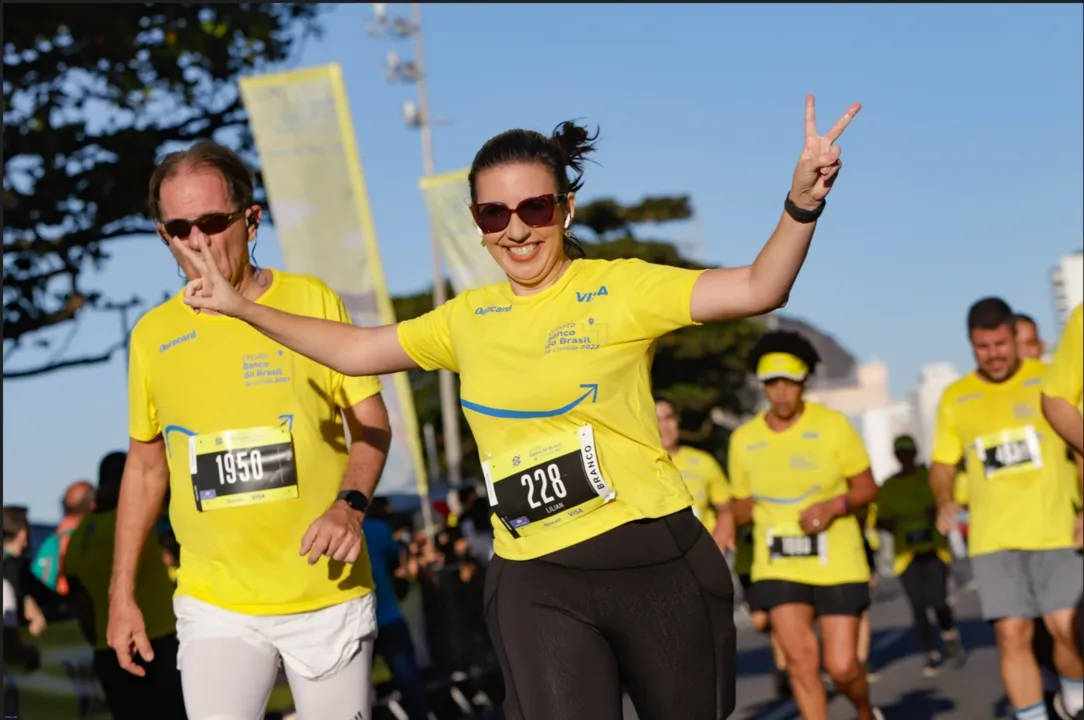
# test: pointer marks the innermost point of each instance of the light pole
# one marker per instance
(417, 116)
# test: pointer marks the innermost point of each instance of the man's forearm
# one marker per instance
(141, 496)
(370, 440)
(942, 482)
(1066, 421)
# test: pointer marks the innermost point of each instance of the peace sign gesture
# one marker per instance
(819, 163)
(210, 291)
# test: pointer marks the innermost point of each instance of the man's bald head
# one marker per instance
(78, 498)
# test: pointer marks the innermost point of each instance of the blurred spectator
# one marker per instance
(393, 641)
(29, 592)
(16, 540)
(89, 565)
(474, 522)
(48, 564)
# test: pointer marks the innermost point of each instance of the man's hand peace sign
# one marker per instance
(819, 163)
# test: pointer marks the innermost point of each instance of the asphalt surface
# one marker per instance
(900, 689)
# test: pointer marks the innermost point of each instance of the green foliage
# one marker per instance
(92, 95)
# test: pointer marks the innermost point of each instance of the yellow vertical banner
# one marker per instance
(447, 198)
(320, 208)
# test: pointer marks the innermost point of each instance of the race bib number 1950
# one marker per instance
(1009, 452)
(546, 484)
(790, 543)
(242, 467)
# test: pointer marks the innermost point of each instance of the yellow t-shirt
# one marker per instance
(1065, 375)
(786, 472)
(705, 480)
(908, 502)
(556, 387)
(1018, 474)
(206, 374)
(959, 489)
(90, 559)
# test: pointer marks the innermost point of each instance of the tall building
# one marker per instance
(1067, 286)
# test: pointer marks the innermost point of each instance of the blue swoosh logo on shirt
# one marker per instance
(592, 392)
(172, 429)
(787, 501)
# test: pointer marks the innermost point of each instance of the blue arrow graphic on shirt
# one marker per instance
(592, 392)
(787, 501)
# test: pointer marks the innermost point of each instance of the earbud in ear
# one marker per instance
(568, 221)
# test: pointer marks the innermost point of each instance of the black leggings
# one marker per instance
(648, 607)
(926, 583)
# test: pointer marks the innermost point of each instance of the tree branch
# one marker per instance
(63, 364)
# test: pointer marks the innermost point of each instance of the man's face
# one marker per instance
(668, 424)
(906, 458)
(195, 192)
(1028, 343)
(995, 351)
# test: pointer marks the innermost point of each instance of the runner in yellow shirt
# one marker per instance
(88, 565)
(702, 476)
(1021, 515)
(1064, 385)
(267, 496)
(597, 553)
(907, 510)
(799, 471)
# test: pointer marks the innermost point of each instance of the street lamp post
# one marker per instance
(417, 116)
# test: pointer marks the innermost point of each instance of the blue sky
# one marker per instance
(962, 178)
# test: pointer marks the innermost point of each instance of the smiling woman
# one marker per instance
(603, 577)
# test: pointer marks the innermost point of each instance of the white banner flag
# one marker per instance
(320, 208)
(448, 198)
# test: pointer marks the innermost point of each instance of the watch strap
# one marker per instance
(802, 215)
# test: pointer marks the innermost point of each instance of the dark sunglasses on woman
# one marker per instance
(534, 212)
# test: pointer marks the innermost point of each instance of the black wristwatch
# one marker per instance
(801, 214)
(355, 499)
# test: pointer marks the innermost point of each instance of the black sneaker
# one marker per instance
(934, 661)
(782, 684)
(954, 650)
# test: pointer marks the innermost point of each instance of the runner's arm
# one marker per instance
(1066, 421)
(727, 293)
(142, 490)
(942, 482)
(370, 439)
(861, 491)
(345, 348)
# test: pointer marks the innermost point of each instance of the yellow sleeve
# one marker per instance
(142, 415)
(853, 458)
(660, 300)
(948, 448)
(718, 486)
(427, 339)
(1065, 376)
(739, 481)
(347, 391)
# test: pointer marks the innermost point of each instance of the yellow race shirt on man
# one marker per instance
(204, 382)
(90, 560)
(1018, 473)
(556, 387)
(1065, 374)
(705, 480)
(907, 502)
(786, 472)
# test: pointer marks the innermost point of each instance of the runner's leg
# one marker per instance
(346, 694)
(914, 580)
(793, 623)
(839, 635)
(227, 678)
(1058, 580)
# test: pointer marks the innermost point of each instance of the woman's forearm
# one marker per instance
(776, 267)
(345, 348)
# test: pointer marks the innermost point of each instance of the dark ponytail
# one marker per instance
(563, 153)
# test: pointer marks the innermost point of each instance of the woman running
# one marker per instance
(799, 472)
(603, 578)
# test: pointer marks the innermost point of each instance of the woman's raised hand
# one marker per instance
(209, 291)
(819, 164)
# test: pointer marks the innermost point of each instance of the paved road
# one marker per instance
(903, 693)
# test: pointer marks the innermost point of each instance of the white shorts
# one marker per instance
(313, 645)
